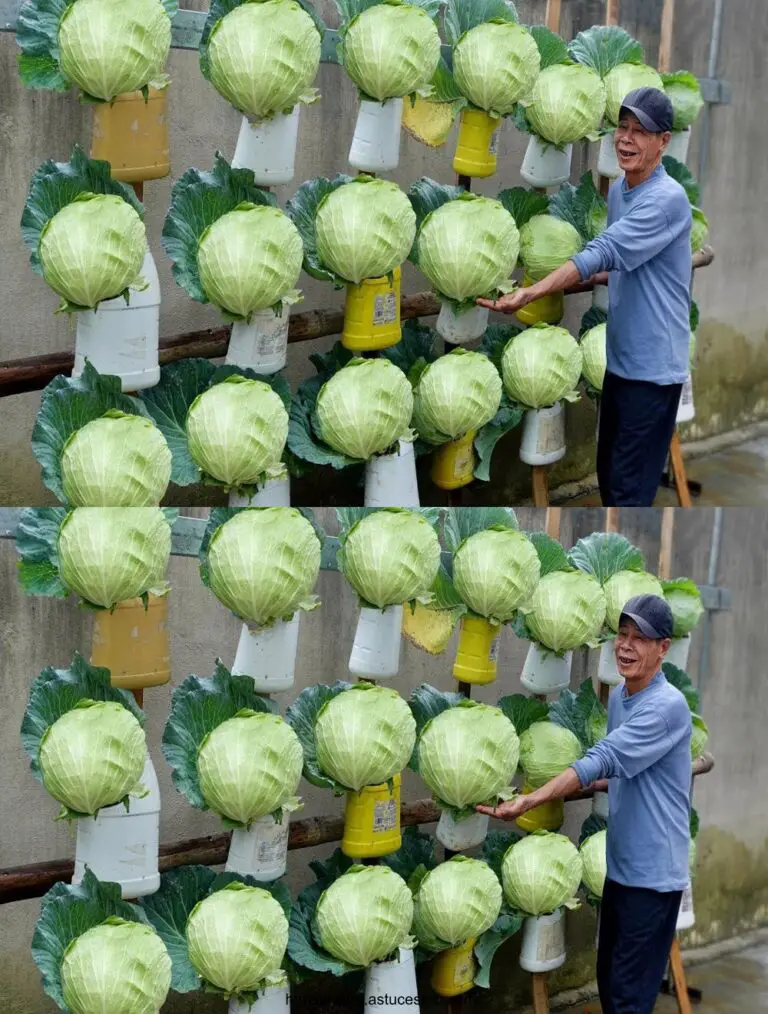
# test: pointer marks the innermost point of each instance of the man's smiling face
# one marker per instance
(637, 657)
(638, 150)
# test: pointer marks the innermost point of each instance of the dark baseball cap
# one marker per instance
(651, 614)
(652, 107)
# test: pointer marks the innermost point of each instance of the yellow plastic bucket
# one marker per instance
(372, 821)
(548, 310)
(547, 817)
(453, 464)
(477, 651)
(372, 314)
(132, 135)
(476, 144)
(134, 644)
(453, 971)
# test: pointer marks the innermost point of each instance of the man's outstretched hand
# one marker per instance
(510, 810)
(509, 303)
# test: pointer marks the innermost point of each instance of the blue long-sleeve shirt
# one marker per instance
(646, 249)
(646, 756)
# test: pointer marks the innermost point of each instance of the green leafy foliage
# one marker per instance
(680, 172)
(604, 554)
(523, 711)
(682, 681)
(523, 204)
(302, 209)
(37, 538)
(302, 716)
(461, 15)
(604, 47)
(582, 713)
(462, 522)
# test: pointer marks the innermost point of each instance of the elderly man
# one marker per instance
(646, 757)
(646, 251)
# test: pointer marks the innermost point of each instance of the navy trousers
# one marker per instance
(637, 420)
(637, 927)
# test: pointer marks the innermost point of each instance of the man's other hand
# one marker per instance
(509, 303)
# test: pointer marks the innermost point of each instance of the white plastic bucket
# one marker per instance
(679, 144)
(678, 653)
(274, 493)
(686, 410)
(686, 918)
(543, 946)
(600, 805)
(544, 165)
(268, 149)
(543, 439)
(262, 345)
(260, 852)
(121, 338)
(268, 656)
(607, 163)
(376, 648)
(546, 674)
(274, 1000)
(391, 985)
(600, 298)
(390, 479)
(606, 668)
(376, 141)
(462, 834)
(458, 329)
(121, 846)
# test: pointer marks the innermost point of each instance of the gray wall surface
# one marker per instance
(731, 381)
(731, 889)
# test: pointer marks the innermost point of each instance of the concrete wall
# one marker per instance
(732, 883)
(732, 377)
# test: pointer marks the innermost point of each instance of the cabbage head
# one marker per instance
(391, 50)
(699, 737)
(263, 57)
(546, 750)
(249, 766)
(457, 393)
(594, 356)
(391, 557)
(495, 572)
(249, 259)
(468, 754)
(110, 47)
(364, 735)
(364, 229)
(684, 599)
(92, 756)
(541, 366)
(468, 247)
(593, 856)
(699, 230)
(541, 873)
(567, 104)
(236, 937)
(365, 915)
(236, 431)
(684, 93)
(546, 243)
(622, 80)
(114, 554)
(263, 564)
(624, 586)
(567, 610)
(496, 65)
(119, 460)
(93, 248)
(365, 408)
(457, 901)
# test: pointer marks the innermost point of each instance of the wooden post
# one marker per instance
(552, 17)
(665, 550)
(678, 978)
(677, 467)
(611, 519)
(552, 522)
(540, 993)
(540, 486)
(665, 41)
(611, 12)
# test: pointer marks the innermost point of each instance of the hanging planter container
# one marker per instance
(261, 851)
(121, 846)
(686, 918)
(678, 653)
(606, 669)
(268, 149)
(547, 310)
(686, 411)
(274, 493)
(545, 673)
(453, 464)
(543, 439)
(461, 328)
(376, 141)
(477, 144)
(453, 971)
(679, 144)
(600, 298)
(133, 643)
(376, 649)
(274, 1000)
(372, 314)
(262, 344)
(389, 983)
(132, 135)
(121, 339)
(372, 821)
(268, 656)
(547, 817)
(460, 835)
(545, 165)
(543, 946)
(477, 651)
(390, 479)
(600, 805)
(607, 163)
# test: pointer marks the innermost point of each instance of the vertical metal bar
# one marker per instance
(706, 122)
(714, 559)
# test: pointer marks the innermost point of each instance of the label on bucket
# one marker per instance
(686, 904)
(550, 435)
(272, 844)
(384, 309)
(463, 461)
(271, 342)
(686, 397)
(493, 655)
(384, 817)
(549, 944)
(493, 147)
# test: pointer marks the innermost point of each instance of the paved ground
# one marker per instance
(733, 985)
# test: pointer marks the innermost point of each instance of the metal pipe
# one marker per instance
(706, 633)
(714, 52)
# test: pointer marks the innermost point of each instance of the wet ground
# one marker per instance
(737, 984)
(736, 477)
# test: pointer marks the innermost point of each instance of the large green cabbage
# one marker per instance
(593, 855)
(365, 408)
(365, 915)
(594, 356)
(624, 586)
(546, 243)
(685, 95)
(699, 737)
(263, 57)
(567, 103)
(364, 735)
(391, 50)
(495, 572)
(468, 754)
(622, 80)
(684, 599)
(567, 610)
(364, 228)
(457, 393)
(495, 65)
(541, 872)
(456, 902)
(699, 230)
(546, 750)
(541, 366)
